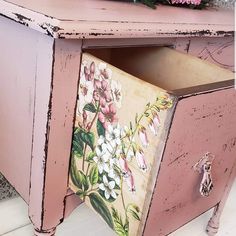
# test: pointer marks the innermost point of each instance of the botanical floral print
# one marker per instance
(105, 150)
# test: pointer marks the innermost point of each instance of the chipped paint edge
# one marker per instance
(66, 29)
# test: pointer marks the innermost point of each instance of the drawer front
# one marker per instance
(118, 140)
(121, 130)
(201, 124)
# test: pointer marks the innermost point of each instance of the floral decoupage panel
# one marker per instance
(117, 143)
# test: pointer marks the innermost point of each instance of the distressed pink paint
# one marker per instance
(202, 123)
(39, 79)
(214, 222)
(17, 102)
(112, 19)
(53, 120)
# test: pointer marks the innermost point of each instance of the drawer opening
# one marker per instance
(166, 68)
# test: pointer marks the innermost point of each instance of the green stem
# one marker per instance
(91, 190)
(136, 128)
(85, 148)
(122, 196)
(83, 162)
(87, 169)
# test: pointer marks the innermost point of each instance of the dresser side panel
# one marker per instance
(18, 66)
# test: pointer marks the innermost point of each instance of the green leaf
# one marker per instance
(136, 119)
(148, 105)
(80, 193)
(90, 107)
(88, 138)
(75, 176)
(83, 180)
(100, 207)
(90, 157)
(77, 144)
(134, 210)
(149, 3)
(134, 214)
(131, 126)
(93, 176)
(100, 128)
(121, 230)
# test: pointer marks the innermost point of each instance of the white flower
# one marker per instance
(85, 93)
(113, 135)
(113, 162)
(102, 158)
(114, 175)
(130, 154)
(102, 72)
(108, 187)
(101, 140)
(116, 92)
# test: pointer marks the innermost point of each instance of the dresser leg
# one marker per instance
(45, 232)
(214, 222)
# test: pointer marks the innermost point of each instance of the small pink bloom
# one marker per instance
(130, 181)
(143, 136)
(156, 119)
(124, 166)
(152, 126)
(89, 125)
(84, 117)
(107, 115)
(141, 160)
(102, 92)
(154, 123)
(89, 72)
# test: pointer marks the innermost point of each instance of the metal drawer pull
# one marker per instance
(204, 166)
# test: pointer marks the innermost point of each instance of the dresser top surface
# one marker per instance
(114, 19)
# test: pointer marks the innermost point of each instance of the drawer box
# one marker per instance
(154, 129)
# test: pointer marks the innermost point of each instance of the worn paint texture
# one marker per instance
(202, 123)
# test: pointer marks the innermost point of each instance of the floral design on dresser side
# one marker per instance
(103, 149)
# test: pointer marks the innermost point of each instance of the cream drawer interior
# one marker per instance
(139, 131)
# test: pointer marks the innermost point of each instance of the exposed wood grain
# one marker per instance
(108, 19)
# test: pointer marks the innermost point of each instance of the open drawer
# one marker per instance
(150, 124)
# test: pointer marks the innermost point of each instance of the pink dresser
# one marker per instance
(170, 68)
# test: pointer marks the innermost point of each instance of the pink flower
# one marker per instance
(102, 92)
(107, 115)
(143, 136)
(130, 181)
(124, 166)
(154, 123)
(89, 72)
(194, 2)
(128, 176)
(141, 160)
(152, 126)
(103, 71)
(156, 119)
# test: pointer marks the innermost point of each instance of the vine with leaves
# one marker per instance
(103, 150)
